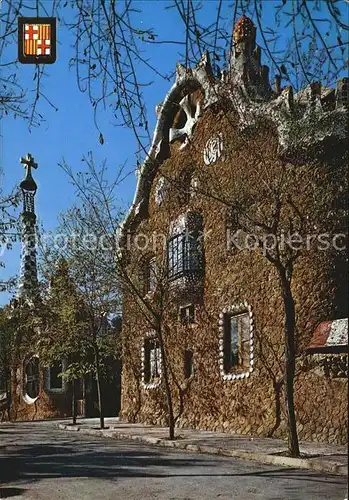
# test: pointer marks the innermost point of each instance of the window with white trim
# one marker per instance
(151, 362)
(148, 273)
(32, 378)
(236, 342)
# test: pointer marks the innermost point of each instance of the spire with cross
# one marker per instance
(28, 185)
(28, 281)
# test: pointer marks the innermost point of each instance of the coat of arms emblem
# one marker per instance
(37, 40)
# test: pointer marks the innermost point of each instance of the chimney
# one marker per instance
(245, 61)
(244, 40)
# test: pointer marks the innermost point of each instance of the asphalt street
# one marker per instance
(38, 461)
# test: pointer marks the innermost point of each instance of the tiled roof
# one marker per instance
(330, 334)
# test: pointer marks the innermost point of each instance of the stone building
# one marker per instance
(37, 391)
(226, 153)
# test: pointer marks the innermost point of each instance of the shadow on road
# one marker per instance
(11, 492)
(52, 454)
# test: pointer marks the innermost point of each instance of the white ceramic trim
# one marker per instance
(151, 385)
(26, 398)
(236, 309)
(161, 189)
(213, 149)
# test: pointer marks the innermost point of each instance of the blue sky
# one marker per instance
(70, 132)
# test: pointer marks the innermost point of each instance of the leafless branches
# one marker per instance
(13, 91)
(114, 57)
(303, 40)
(8, 228)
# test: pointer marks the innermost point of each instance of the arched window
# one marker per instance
(31, 379)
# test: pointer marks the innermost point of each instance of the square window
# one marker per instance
(236, 342)
(187, 314)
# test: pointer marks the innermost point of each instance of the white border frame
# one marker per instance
(235, 309)
(26, 398)
(151, 385)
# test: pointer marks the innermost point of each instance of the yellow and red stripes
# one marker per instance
(30, 45)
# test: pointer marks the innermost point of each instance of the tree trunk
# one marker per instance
(290, 363)
(74, 402)
(164, 367)
(277, 391)
(99, 388)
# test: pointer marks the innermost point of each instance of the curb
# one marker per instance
(262, 458)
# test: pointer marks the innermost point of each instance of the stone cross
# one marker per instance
(29, 163)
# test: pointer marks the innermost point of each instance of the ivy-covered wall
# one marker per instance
(47, 405)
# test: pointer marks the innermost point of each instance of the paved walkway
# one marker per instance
(41, 462)
(314, 456)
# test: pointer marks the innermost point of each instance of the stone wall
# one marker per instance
(47, 405)
(253, 405)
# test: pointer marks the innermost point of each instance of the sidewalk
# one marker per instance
(317, 457)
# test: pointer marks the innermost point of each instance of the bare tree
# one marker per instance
(8, 228)
(304, 40)
(99, 215)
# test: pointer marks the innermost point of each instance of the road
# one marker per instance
(38, 461)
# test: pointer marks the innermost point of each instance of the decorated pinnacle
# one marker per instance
(244, 30)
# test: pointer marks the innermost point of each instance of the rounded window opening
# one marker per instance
(31, 380)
